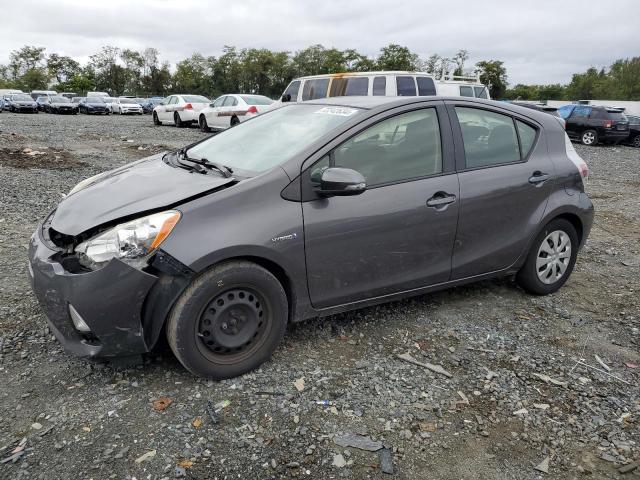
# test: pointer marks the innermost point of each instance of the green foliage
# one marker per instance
(494, 75)
(396, 57)
(262, 71)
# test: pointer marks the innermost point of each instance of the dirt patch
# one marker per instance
(49, 159)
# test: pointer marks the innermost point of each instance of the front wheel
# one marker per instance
(551, 258)
(636, 141)
(156, 120)
(228, 321)
(589, 137)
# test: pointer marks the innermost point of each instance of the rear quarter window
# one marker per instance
(527, 137)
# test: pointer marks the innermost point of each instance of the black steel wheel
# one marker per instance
(228, 321)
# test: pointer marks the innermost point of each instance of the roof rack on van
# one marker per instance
(461, 78)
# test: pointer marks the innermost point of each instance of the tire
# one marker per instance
(198, 325)
(544, 281)
(635, 141)
(177, 121)
(234, 121)
(156, 120)
(589, 137)
(202, 122)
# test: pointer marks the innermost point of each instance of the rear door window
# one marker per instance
(380, 86)
(426, 86)
(292, 90)
(315, 88)
(489, 138)
(466, 91)
(406, 86)
(581, 112)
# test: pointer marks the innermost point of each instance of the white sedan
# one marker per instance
(125, 105)
(229, 110)
(180, 110)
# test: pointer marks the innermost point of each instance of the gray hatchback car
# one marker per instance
(305, 211)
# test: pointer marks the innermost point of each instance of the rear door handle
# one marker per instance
(538, 177)
(440, 199)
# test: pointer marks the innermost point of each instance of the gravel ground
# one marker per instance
(517, 402)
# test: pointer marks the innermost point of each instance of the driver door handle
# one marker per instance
(538, 177)
(440, 199)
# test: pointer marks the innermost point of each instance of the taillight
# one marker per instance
(188, 106)
(252, 109)
(608, 124)
(577, 161)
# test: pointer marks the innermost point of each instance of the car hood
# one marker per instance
(130, 105)
(23, 102)
(62, 104)
(91, 104)
(146, 185)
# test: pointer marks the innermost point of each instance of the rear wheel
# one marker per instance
(228, 321)
(204, 127)
(177, 120)
(589, 137)
(234, 121)
(156, 120)
(551, 258)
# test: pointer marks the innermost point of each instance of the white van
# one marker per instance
(461, 86)
(42, 93)
(386, 83)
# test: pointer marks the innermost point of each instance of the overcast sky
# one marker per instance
(540, 41)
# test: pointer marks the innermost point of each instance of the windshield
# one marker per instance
(95, 100)
(60, 100)
(273, 138)
(256, 100)
(195, 99)
(22, 98)
(128, 101)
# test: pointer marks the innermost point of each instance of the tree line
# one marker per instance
(263, 71)
(250, 70)
(620, 81)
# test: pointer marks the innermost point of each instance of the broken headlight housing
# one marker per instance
(132, 241)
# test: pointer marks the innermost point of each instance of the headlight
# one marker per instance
(132, 240)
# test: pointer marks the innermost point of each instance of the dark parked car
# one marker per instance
(594, 124)
(60, 104)
(305, 211)
(93, 105)
(42, 102)
(634, 130)
(148, 104)
(20, 102)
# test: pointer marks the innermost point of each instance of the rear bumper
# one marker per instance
(189, 115)
(109, 300)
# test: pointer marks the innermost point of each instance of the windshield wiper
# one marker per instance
(223, 169)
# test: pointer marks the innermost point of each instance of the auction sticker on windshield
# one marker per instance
(342, 111)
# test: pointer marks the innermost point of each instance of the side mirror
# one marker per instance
(211, 105)
(338, 181)
(286, 97)
(162, 103)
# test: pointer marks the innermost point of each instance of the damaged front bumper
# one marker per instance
(111, 301)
